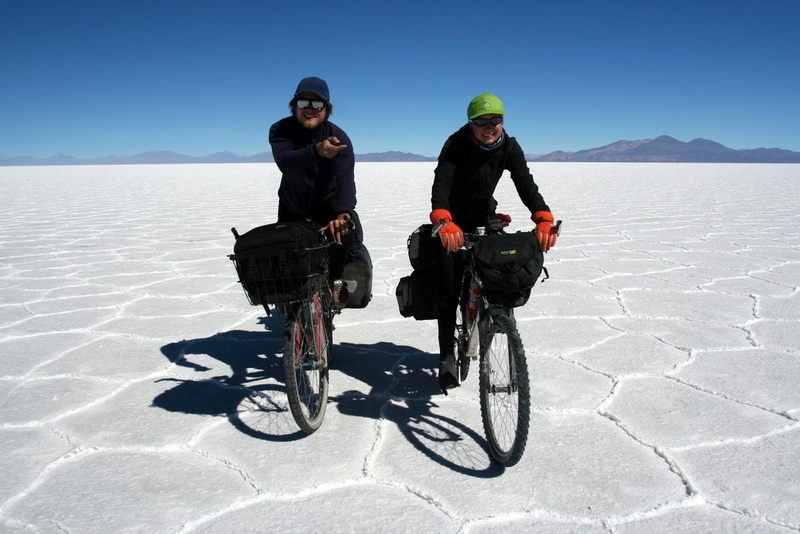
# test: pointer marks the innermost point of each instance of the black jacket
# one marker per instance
(467, 175)
(309, 180)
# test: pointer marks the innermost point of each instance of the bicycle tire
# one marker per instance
(504, 388)
(305, 364)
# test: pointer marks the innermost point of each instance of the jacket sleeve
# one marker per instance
(344, 169)
(287, 157)
(523, 180)
(443, 177)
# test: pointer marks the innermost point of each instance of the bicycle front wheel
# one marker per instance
(305, 364)
(504, 388)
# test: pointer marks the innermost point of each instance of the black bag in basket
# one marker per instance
(509, 265)
(279, 262)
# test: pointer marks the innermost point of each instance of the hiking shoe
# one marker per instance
(448, 373)
(340, 293)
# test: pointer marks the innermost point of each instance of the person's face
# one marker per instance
(488, 133)
(310, 118)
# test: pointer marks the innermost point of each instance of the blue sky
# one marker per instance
(96, 78)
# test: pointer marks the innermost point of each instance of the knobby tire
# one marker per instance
(504, 388)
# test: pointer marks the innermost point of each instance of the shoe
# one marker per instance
(448, 373)
(340, 293)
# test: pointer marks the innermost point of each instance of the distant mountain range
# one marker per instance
(162, 157)
(663, 149)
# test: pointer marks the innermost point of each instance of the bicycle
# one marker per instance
(295, 282)
(488, 332)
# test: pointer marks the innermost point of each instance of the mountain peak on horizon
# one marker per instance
(666, 149)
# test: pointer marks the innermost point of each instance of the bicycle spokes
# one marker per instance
(306, 365)
(505, 394)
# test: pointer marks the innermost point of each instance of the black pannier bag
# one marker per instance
(418, 295)
(509, 265)
(358, 275)
(422, 248)
(280, 262)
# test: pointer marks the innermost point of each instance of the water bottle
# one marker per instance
(472, 301)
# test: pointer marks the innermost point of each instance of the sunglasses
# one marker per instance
(494, 121)
(303, 103)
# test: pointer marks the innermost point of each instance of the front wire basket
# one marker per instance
(270, 276)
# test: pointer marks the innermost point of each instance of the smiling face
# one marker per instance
(489, 133)
(310, 118)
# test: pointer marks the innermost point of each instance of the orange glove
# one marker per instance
(546, 232)
(451, 235)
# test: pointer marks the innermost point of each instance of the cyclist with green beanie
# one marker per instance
(470, 166)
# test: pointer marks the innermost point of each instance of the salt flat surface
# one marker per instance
(663, 353)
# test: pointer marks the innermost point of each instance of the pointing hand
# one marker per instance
(329, 148)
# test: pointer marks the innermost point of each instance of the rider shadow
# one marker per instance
(401, 382)
(252, 397)
(403, 386)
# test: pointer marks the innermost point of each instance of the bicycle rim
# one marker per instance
(305, 365)
(504, 388)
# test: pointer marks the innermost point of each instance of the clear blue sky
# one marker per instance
(96, 78)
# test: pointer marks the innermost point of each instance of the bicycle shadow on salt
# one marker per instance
(400, 380)
(252, 395)
(402, 389)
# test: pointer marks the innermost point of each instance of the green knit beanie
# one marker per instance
(485, 104)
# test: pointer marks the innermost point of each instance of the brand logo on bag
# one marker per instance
(508, 252)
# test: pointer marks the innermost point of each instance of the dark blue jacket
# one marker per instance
(309, 180)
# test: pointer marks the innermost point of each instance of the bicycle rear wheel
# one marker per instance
(305, 363)
(504, 388)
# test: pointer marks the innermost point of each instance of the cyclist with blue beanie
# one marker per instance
(317, 163)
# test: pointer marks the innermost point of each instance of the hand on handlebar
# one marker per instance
(546, 229)
(339, 227)
(451, 235)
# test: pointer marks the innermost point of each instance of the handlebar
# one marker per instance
(471, 237)
(438, 226)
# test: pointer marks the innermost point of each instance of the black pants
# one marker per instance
(322, 216)
(451, 272)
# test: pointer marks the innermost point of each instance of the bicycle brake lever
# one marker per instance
(438, 226)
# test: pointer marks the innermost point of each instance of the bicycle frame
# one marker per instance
(472, 307)
(488, 332)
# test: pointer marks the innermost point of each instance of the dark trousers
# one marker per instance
(451, 272)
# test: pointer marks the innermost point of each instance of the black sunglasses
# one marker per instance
(303, 103)
(494, 121)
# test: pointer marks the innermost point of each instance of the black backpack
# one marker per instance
(279, 262)
(509, 265)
